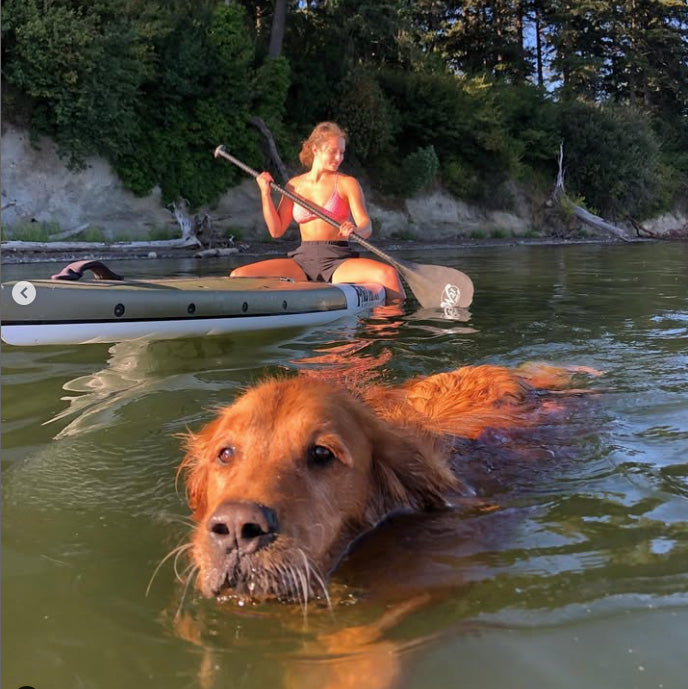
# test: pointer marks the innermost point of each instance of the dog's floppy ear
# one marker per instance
(410, 470)
(195, 468)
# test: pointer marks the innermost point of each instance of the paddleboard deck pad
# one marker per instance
(69, 311)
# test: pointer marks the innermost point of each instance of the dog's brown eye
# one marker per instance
(225, 455)
(320, 455)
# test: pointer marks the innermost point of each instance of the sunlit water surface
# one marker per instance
(579, 579)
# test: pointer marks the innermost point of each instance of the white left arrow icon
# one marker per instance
(23, 293)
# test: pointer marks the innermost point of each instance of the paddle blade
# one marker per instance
(437, 287)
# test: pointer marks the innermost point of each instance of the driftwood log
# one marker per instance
(217, 252)
(70, 233)
(675, 233)
(57, 247)
(189, 229)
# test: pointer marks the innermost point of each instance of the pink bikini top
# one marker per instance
(336, 207)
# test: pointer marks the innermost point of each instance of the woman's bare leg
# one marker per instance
(369, 270)
(273, 267)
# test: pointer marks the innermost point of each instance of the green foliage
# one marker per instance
(416, 172)
(434, 108)
(202, 99)
(529, 119)
(478, 234)
(233, 233)
(625, 52)
(611, 157)
(83, 65)
(269, 93)
(154, 88)
(405, 235)
(162, 233)
(270, 88)
(93, 234)
(418, 169)
(366, 114)
(568, 204)
(465, 123)
(461, 180)
(31, 232)
(318, 64)
(474, 37)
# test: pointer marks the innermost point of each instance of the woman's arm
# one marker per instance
(351, 190)
(277, 219)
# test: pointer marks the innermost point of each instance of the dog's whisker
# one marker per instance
(185, 573)
(274, 578)
(288, 583)
(323, 586)
(290, 579)
(180, 552)
(178, 519)
(306, 578)
(306, 572)
(301, 579)
(299, 592)
(193, 572)
(175, 552)
(320, 580)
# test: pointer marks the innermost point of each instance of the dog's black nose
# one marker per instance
(243, 526)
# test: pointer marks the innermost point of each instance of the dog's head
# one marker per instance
(285, 478)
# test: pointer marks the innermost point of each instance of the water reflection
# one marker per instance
(137, 368)
(140, 368)
(319, 654)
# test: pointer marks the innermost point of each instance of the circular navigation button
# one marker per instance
(23, 293)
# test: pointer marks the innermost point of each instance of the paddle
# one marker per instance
(433, 286)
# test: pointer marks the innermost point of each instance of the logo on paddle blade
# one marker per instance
(454, 313)
(450, 296)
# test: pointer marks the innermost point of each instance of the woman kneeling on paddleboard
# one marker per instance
(324, 253)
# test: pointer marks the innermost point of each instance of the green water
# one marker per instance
(580, 579)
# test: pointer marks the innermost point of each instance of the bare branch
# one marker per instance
(273, 153)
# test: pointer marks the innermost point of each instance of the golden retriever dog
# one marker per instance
(286, 477)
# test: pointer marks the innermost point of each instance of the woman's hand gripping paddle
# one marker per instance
(433, 286)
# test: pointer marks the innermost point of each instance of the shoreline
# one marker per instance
(260, 249)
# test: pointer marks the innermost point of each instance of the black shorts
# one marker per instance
(319, 260)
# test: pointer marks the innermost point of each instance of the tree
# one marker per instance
(579, 36)
(633, 51)
(651, 69)
(477, 38)
(277, 28)
(83, 67)
(202, 96)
